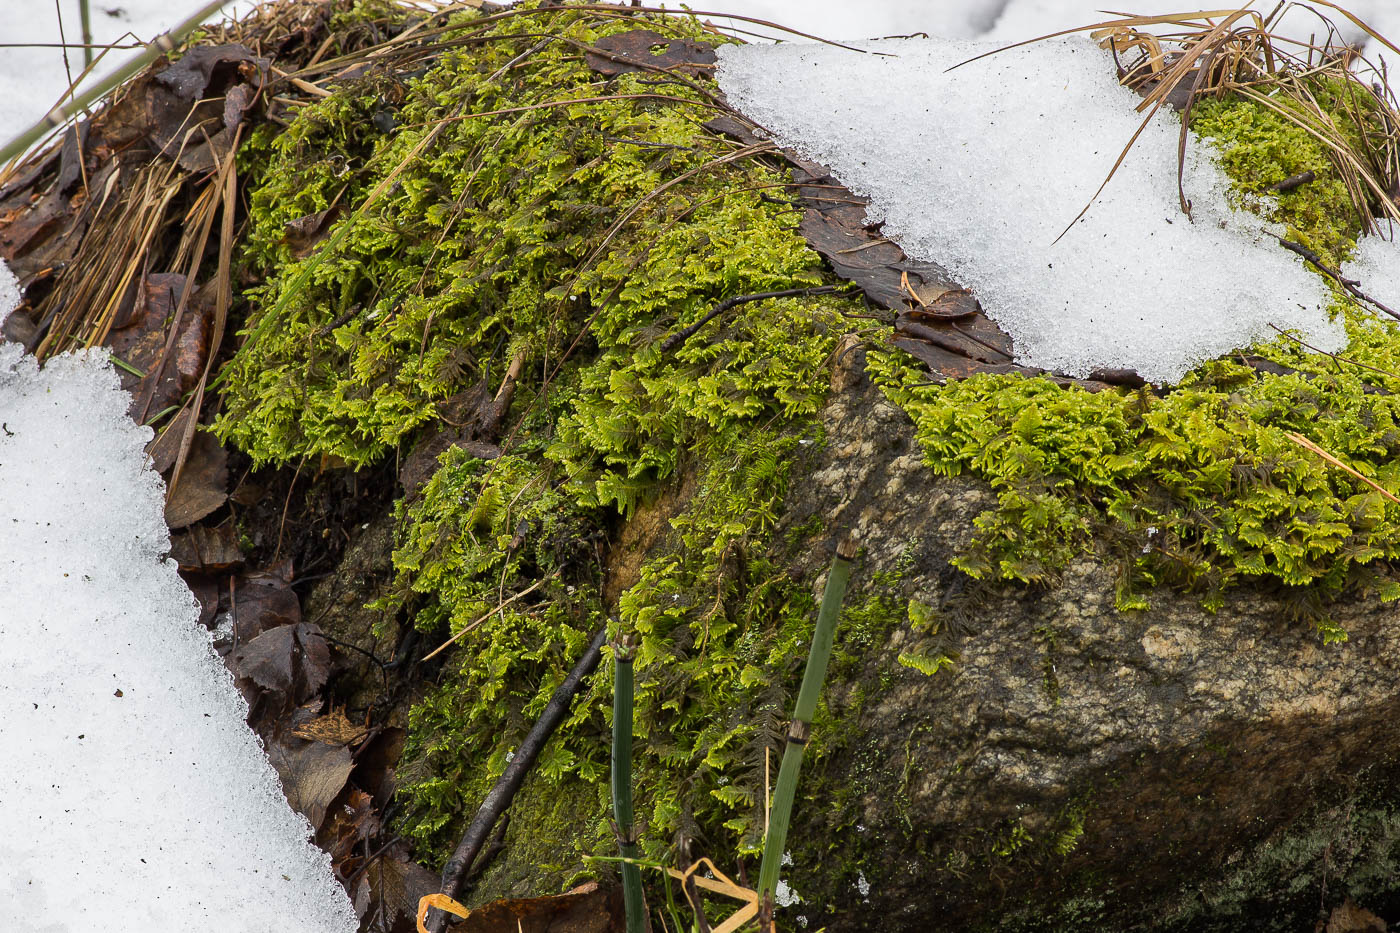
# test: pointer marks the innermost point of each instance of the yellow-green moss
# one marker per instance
(498, 238)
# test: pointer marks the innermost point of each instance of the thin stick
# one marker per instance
(681, 336)
(1352, 286)
(1303, 442)
(525, 592)
(455, 871)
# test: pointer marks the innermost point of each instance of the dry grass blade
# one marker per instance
(223, 298)
(1303, 442)
(1128, 22)
(503, 604)
(80, 310)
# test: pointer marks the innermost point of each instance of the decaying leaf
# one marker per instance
(350, 821)
(139, 335)
(312, 774)
(207, 550)
(332, 728)
(263, 601)
(291, 660)
(203, 485)
(387, 894)
(644, 50)
(303, 233)
(206, 590)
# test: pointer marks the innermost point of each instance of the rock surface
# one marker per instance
(1074, 757)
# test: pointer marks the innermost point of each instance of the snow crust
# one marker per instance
(981, 168)
(135, 798)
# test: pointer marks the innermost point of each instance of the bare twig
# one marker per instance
(454, 873)
(684, 334)
(1352, 286)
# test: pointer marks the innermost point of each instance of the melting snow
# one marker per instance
(135, 797)
(34, 78)
(981, 168)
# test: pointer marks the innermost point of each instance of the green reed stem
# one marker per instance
(623, 653)
(801, 727)
(86, 15)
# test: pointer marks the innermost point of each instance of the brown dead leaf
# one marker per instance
(165, 448)
(375, 763)
(303, 233)
(312, 774)
(207, 550)
(290, 660)
(332, 728)
(206, 590)
(203, 483)
(138, 338)
(208, 70)
(263, 601)
(643, 49)
(389, 891)
(350, 821)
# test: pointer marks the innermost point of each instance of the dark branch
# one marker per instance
(454, 873)
(1352, 286)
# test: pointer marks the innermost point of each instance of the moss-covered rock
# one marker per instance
(1033, 719)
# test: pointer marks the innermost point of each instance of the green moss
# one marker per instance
(1201, 488)
(502, 235)
(466, 237)
(1258, 147)
(506, 232)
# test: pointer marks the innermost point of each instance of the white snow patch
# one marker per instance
(784, 895)
(33, 79)
(9, 292)
(135, 797)
(1376, 265)
(981, 168)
